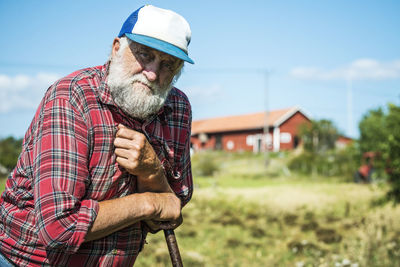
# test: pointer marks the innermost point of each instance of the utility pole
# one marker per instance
(349, 106)
(266, 122)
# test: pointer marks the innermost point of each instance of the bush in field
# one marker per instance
(373, 137)
(320, 156)
(380, 132)
(204, 164)
(393, 152)
(331, 163)
(9, 152)
(319, 136)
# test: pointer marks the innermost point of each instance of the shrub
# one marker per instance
(204, 164)
(9, 151)
(331, 163)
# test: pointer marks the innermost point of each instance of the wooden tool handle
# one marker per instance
(173, 248)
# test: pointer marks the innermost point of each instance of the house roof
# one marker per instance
(344, 139)
(244, 122)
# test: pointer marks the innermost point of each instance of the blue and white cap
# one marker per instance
(161, 29)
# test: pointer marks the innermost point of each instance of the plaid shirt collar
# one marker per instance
(104, 95)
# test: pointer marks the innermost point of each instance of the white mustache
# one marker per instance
(141, 78)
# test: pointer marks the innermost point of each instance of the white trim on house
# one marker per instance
(276, 139)
(289, 114)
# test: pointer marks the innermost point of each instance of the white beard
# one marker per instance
(132, 97)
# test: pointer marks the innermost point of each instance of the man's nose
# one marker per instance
(151, 70)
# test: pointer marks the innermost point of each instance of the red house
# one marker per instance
(249, 132)
(343, 141)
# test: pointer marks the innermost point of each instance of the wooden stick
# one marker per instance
(173, 248)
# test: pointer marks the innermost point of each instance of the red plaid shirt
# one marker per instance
(67, 165)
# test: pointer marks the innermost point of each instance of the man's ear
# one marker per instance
(115, 46)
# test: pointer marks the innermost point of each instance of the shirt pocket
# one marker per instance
(108, 179)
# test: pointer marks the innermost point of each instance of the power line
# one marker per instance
(4, 64)
(229, 70)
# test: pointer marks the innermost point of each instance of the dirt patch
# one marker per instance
(188, 233)
(228, 218)
(309, 215)
(233, 243)
(253, 216)
(328, 236)
(257, 232)
(309, 226)
(330, 218)
(290, 219)
(349, 225)
(305, 247)
(272, 219)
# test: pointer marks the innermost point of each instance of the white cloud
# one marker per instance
(360, 69)
(23, 91)
(21, 81)
(206, 94)
(5, 81)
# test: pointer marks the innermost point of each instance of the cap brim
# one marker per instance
(160, 45)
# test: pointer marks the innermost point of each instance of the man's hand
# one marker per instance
(165, 206)
(135, 153)
(137, 156)
(155, 226)
(168, 206)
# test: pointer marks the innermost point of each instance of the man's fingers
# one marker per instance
(120, 142)
(127, 154)
(133, 146)
(160, 225)
(127, 164)
(125, 132)
(169, 225)
(166, 225)
(153, 225)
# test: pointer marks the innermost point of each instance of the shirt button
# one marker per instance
(177, 175)
(114, 251)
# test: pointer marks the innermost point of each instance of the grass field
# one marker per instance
(249, 215)
(301, 225)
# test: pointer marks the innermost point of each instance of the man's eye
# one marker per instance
(144, 55)
(168, 65)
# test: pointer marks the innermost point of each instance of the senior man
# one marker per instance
(106, 156)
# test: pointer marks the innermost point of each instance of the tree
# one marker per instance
(373, 134)
(393, 151)
(380, 132)
(320, 136)
(319, 155)
(9, 151)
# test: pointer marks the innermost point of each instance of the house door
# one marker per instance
(218, 142)
(296, 141)
(257, 143)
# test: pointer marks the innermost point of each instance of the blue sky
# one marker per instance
(313, 51)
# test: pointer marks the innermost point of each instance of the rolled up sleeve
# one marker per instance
(60, 178)
(180, 175)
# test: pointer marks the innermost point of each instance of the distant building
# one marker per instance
(343, 141)
(248, 132)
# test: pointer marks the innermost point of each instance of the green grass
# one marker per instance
(317, 226)
(2, 183)
(248, 215)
